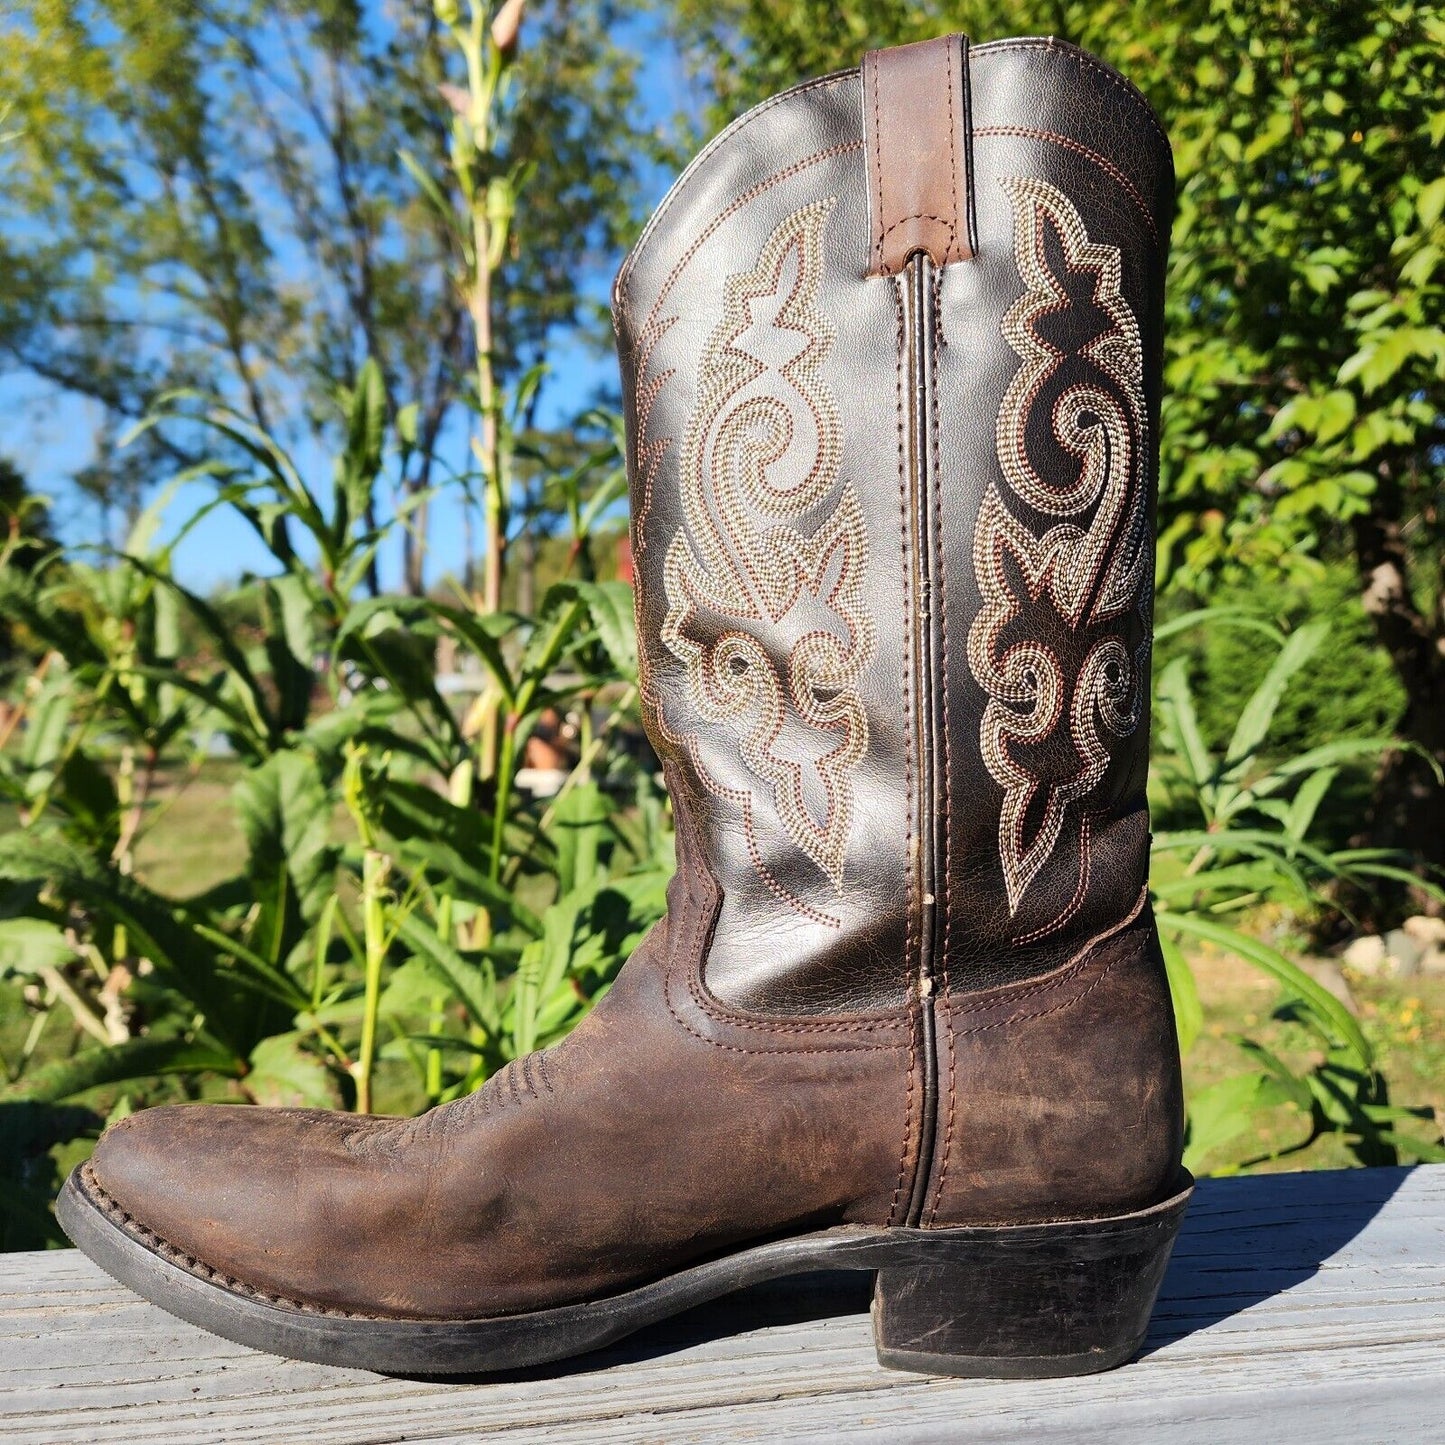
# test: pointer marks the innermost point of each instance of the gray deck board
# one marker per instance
(1300, 1306)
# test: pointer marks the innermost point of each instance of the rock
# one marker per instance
(1366, 955)
(1326, 972)
(1432, 962)
(1427, 932)
(1404, 953)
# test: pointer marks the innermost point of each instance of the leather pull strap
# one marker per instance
(916, 119)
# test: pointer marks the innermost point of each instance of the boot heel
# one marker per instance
(1025, 1301)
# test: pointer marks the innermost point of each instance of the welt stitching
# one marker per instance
(864, 1023)
(1028, 132)
(907, 751)
(698, 934)
(947, 732)
(1086, 62)
(117, 1214)
(741, 124)
(739, 1049)
(1043, 1013)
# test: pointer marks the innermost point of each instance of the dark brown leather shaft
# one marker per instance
(892, 480)
(915, 115)
(893, 533)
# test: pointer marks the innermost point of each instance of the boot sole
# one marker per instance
(1025, 1301)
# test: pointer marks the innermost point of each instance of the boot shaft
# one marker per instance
(891, 359)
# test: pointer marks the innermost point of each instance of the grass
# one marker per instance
(191, 839)
(1404, 1019)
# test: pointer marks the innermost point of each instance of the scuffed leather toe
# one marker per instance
(272, 1198)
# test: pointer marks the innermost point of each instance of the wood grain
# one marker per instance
(1299, 1307)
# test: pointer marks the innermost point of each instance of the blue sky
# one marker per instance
(50, 434)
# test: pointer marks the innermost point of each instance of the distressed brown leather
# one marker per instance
(892, 539)
(1061, 1095)
(915, 114)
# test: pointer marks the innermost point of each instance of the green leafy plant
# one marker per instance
(437, 923)
(398, 908)
(1251, 845)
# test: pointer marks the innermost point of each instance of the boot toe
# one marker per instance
(304, 1206)
(202, 1182)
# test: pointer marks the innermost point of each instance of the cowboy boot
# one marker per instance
(891, 359)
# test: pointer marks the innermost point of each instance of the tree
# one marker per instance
(24, 540)
(212, 195)
(22, 515)
(1305, 348)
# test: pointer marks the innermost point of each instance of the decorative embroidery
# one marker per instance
(764, 583)
(1084, 562)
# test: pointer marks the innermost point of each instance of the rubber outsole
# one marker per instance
(1026, 1331)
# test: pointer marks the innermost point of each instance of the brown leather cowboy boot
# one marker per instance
(891, 354)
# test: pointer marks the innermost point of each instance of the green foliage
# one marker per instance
(1249, 844)
(1350, 690)
(440, 924)
(29, 1130)
(1307, 355)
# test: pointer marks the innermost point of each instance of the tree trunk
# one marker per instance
(413, 545)
(1408, 809)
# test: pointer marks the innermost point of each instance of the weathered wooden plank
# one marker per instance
(1312, 1305)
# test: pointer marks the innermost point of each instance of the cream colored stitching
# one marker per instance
(767, 615)
(1091, 561)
